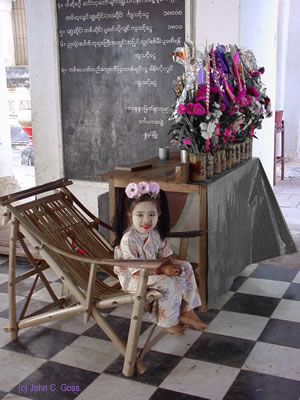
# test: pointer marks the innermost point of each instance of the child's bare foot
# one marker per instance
(177, 330)
(191, 319)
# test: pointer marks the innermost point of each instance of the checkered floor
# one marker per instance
(250, 351)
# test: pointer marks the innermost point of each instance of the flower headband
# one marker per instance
(135, 191)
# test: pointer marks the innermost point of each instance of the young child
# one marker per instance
(145, 239)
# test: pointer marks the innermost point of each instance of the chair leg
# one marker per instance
(12, 280)
(135, 324)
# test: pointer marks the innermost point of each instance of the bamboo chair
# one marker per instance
(65, 235)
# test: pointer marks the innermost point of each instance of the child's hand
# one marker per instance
(170, 269)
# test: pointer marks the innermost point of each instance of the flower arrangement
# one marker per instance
(220, 99)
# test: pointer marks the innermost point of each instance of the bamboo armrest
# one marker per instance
(23, 194)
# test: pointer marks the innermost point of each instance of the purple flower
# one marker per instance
(181, 109)
(190, 108)
(186, 141)
(143, 188)
(199, 109)
(131, 190)
(154, 188)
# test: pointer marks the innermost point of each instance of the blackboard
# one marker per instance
(117, 80)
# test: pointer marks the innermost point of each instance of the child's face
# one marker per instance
(144, 216)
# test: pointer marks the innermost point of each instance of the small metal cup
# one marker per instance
(163, 153)
(184, 156)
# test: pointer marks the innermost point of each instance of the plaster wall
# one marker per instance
(216, 21)
(258, 32)
(5, 145)
(6, 32)
(45, 101)
(292, 85)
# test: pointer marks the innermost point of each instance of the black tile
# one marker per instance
(275, 272)
(56, 381)
(251, 304)
(34, 305)
(164, 394)
(220, 349)
(255, 386)
(207, 316)
(284, 333)
(159, 366)
(24, 287)
(293, 292)
(237, 283)
(41, 342)
(2, 394)
(119, 324)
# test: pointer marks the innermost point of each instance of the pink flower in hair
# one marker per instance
(154, 188)
(143, 188)
(131, 190)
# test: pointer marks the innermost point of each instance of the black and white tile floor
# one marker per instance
(250, 351)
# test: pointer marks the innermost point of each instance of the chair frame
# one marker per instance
(85, 296)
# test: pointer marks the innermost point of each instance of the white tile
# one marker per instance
(73, 324)
(126, 311)
(221, 300)
(238, 325)
(4, 301)
(17, 367)
(248, 270)
(3, 278)
(50, 275)
(264, 287)
(44, 295)
(288, 310)
(274, 360)
(297, 278)
(171, 344)
(288, 199)
(199, 378)
(12, 396)
(112, 388)
(88, 353)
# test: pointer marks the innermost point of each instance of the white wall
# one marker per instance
(258, 32)
(5, 145)
(45, 101)
(217, 21)
(292, 85)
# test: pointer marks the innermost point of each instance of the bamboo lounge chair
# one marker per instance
(65, 235)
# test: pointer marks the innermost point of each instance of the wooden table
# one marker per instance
(236, 208)
(168, 174)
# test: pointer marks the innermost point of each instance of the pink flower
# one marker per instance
(227, 132)
(255, 73)
(199, 98)
(207, 145)
(214, 89)
(231, 110)
(247, 100)
(186, 141)
(181, 109)
(131, 190)
(154, 188)
(262, 70)
(201, 91)
(251, 132)
(222, 106)
(253, 91)
(143, 188)
(216, 146)
(218, 130)
(190, 108)
(199, 109)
